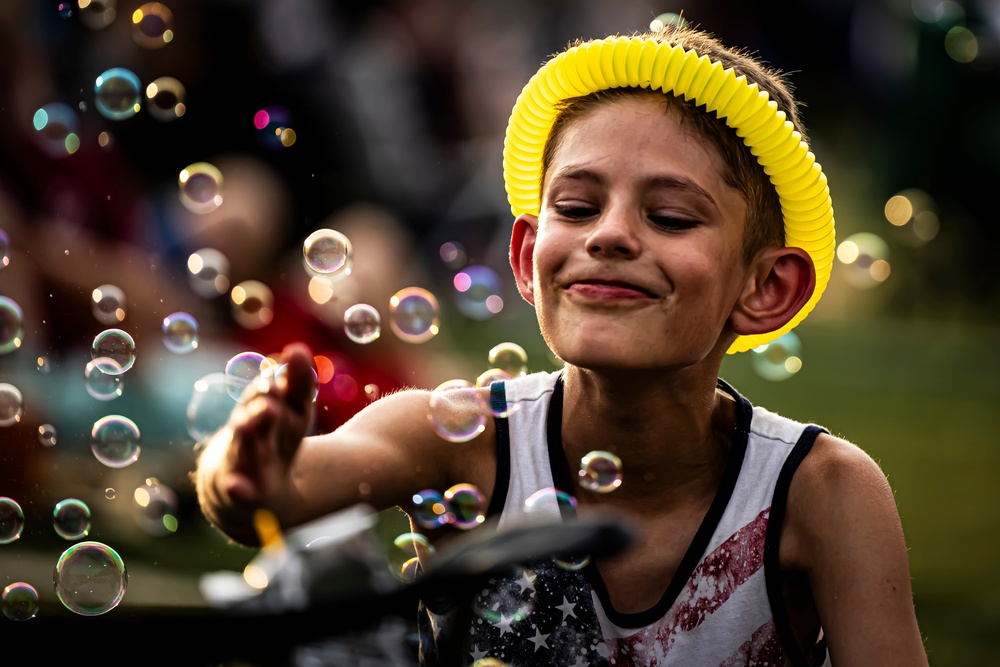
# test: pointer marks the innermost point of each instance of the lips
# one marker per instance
(609, 289)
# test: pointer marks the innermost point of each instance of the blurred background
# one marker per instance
(187, 186)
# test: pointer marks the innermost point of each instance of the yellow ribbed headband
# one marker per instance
(646, 63)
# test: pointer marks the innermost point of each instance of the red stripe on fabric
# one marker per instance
(763, 648)
(713, 581)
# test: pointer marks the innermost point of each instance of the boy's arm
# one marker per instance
(844, 531)
(260, 460)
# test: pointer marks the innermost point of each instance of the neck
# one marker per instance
(672, 432)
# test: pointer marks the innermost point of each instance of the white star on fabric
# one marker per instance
(478, 655)
(567, 608)
(504, 624)
(539, 640)
(527, 581)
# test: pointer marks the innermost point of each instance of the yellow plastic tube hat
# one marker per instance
(647, 63)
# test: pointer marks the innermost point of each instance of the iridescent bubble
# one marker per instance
(152, 25)
(47, 435)
(165, 97)
(57, 129)
(71, 519)
(549, 504)
(466, 505)
(405, 557)
(108, 304)
(11, 325)
(90, 578)
(429, 509)
(457, 410)
(156, 508)
(600, 472)
(208, 273)
(865, 258)
(669, 18)
(4, 249)
(103, 386)
(65, 9)
(115, 441)
(11, 520)
(362, 323)
(210, 404)
(778, 360)
(414, 315)
(180, 333)
(372, 392)
(200, 187)
(328, 253)
(116, 345)
(109, 493)
(510, 358)
(487, 378)
(245, 367)
(477, 292)
(43, 365)
(274, 127)
(11, 404)
(20, 601)
(117, 93)
(252, 304)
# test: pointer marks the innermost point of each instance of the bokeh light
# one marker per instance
(208, 272)
(108, 304)
(252, 304)
(47, 435)
(153, 25)
(4, 249)
(865, 260)
(165, 99)
(478, 292)
(57, 129)
(778, 360)
(156, 507)
(274, 127)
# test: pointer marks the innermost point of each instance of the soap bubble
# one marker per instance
(116, 345)
(466, 505)
(108, 304)
(362, 323)
(115, 441)
(156, 508)
(71, 519)
(180, 333)
(778, 360)
(20, 601)
(103, 386)
(328, 253)
(57, 129)
(11, 520)
(152, 25)
(166, 97)
(208, 273)
(457, 410)
(90, 578)
(429, 509)
(117, 93)
(200, 187)
(414, 315)
(11, 325)
(600, 472)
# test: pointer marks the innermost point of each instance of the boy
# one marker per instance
(668, 211)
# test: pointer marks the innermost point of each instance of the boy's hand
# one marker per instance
(265, 431)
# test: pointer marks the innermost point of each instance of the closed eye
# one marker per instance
(672, 223)
(576, 212)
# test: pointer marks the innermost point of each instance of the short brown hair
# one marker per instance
(765, 223)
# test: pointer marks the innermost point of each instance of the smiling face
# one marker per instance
(635, 260)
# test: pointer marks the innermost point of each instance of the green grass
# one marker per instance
(922, 399)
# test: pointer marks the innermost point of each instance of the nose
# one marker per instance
(613, 236)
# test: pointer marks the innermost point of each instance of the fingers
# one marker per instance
(298, 382)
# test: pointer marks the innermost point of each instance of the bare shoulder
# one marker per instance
(839, 492)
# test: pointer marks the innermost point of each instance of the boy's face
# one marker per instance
(635, 258)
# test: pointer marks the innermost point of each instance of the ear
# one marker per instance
(522, 254)
(780, 282)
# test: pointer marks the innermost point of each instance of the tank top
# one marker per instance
(724, 606)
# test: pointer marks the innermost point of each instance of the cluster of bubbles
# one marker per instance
(462, 506)
(459, 409)
(89, 578)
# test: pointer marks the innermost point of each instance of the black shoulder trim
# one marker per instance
(498, 402)
(772, 567)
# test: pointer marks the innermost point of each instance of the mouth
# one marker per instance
(609, 289)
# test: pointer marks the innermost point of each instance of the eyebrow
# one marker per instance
(663, 181)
